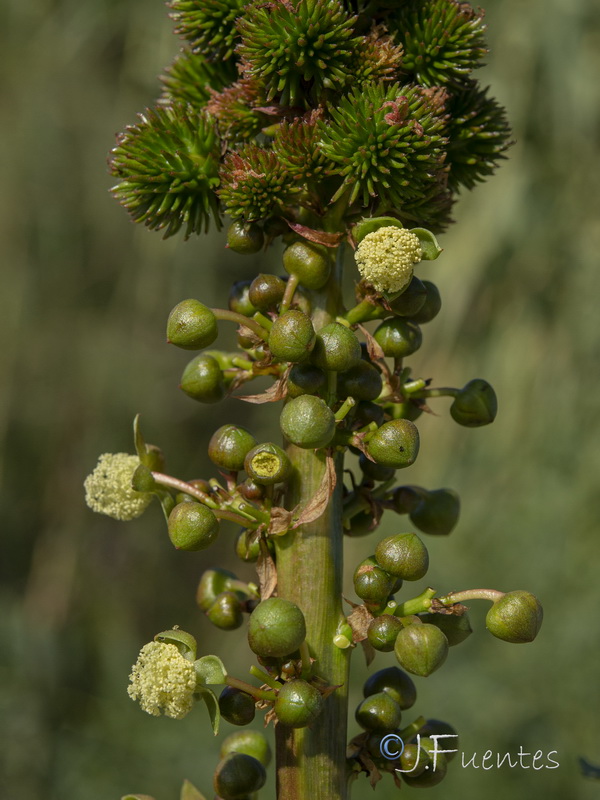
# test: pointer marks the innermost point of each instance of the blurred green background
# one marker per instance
(86, 295)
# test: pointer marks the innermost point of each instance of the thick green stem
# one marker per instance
(311, 762)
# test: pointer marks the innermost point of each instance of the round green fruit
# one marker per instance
(412, 299)
(229, 446)
(456, 629)
(237, 707)
(212, 583)
(266, 291)
(239, 299)
(292, 337)
(245, 237)
(202, 380)
(191, 325)
(336, 348)
(298, 704)
(383, 631)
(398, 337)
(421, 648)
(192, 526)
(267, 464)
(309, 263)
(276, 628)
(395, 444)
(226, 611)
(379, 712)
(404, 556)
(396, 683)
(372, 583)
(437, 512)
(362, 382)
(251, 743)
(431, 307)
(307, 421)
(305, 379)
(237, 776)
(475, 404)
(516, 617)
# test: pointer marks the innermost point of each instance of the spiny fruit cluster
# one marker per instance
(273, 110)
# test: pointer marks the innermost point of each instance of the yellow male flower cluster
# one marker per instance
(163, 681)
(386, 257)
(108, 489)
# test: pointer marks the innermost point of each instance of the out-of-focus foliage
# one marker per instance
(86, 295)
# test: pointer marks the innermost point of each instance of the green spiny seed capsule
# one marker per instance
(407, 498)
(239, 299)
(245, 238)
(336, 348)
(212, 583)
(365, 413)
(361, 524)
(298, 704)
(276, 628)
(379, 712)
(429, 777)
(267, 464)
(395, 444)
(362, 381)
(383, 631)
(404, 556)
(435, 727)
(431, 307)
(226, 612)
(266, 291)
(305, 379)
(475, 405)
(412, 299)
(375, 471)
(229, 446)
(237, 707)
(307, 421)
(292, 337)
(437, 513)
(192, 526)
(415, 759)
(398, 337)
(202, 380)
(421, 649)
(372, 583)
(251, 743)
(516, 617)
(456, 629)
(396, 683)
(237, 776)
(191, 325)
(310, 263)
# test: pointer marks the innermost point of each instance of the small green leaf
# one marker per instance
(140, 444)
(167, 502)
(189, 792)
(371, 224)
(210, 670)
(429, 243)
(142, 480)
(210, 698)
(183, 641)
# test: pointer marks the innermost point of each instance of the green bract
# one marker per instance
(276, 628)
(307, 422)
(168, 168)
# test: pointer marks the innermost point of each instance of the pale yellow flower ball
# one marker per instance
(108, 489)
(163, 681)
(386, 257)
